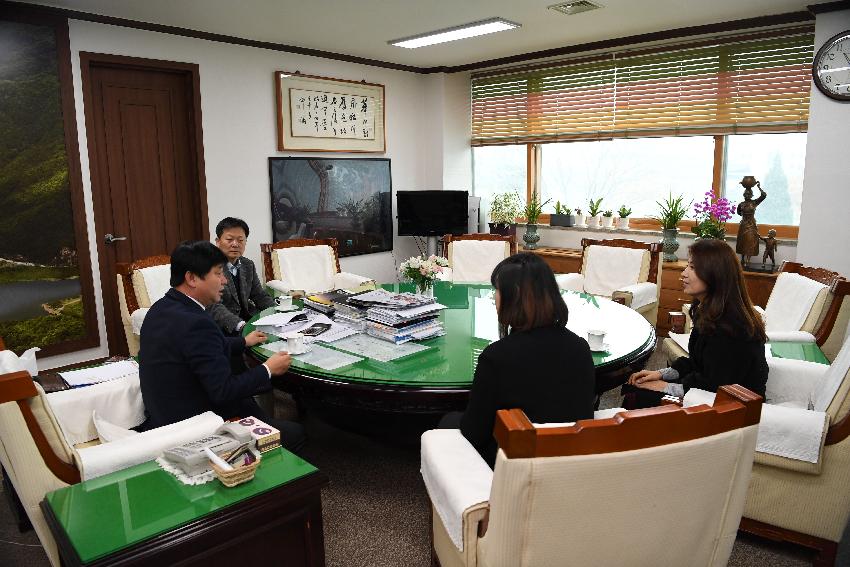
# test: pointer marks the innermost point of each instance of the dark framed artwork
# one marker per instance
(46, 290)
(349, 199)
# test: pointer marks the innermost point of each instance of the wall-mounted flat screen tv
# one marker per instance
(432, 213)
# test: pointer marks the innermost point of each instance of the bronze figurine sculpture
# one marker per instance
(748, 233)
(770, 246)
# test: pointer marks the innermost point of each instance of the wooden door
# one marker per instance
(146, 158)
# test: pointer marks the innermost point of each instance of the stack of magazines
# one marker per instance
(326, 302)
(400, 325)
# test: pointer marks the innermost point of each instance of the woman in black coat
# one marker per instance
(538, 365)
(727, 338)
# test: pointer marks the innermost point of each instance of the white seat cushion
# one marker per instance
(474, 260)
(790, 302)
(151, 284)
(609, 268)
(307, 268)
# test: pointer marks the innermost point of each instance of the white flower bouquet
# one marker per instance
(423, 271)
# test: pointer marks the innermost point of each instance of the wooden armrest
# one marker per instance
(677, 321)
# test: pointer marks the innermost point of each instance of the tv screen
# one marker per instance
(432, 213)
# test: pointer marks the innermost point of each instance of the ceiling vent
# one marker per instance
(577, 7)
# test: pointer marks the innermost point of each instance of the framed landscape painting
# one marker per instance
(349, 199)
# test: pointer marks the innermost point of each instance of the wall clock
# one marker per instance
(831, 67)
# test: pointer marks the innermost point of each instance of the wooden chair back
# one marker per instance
(449, 238)
(125, 272)
(838, 285)
(266, 251)
(653, 247)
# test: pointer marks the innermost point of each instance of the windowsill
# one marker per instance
(642, 232)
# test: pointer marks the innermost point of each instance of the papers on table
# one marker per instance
(400, 316)
(103, 373)
(327, 358)
(276, 319)
(382, 297)
(377, 349)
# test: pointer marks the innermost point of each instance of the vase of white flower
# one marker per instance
(423, 272)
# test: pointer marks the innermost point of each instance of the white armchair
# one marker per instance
(472, 257)
(531, 510)
(625, 271)
(140, 285)
(305, 266)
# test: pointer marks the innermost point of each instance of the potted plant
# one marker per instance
(593, 209)
(562, 217)
(711, 215)
(533, 210)
(623, 221)
(608, 219)
(672, 211)
(580, 219)
(504, 209)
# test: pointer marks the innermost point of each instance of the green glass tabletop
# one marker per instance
(115, 511)
(798, 351)
(471, 324)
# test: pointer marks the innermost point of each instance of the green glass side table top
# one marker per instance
(112, 512)
(810, 352)
(471, 324)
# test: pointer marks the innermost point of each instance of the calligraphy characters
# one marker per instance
(332, 115)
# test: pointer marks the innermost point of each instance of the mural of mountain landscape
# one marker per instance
(40, 297)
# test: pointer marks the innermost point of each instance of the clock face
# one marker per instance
(831, 68)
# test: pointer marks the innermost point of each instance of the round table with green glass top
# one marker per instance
(438, 378)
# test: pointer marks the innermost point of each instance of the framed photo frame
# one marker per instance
(320, 114)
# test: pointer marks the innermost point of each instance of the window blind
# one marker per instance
(755, 83)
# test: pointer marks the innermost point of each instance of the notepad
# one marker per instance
(98, 374)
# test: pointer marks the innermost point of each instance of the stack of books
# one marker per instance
(326, 302)
(406, 324)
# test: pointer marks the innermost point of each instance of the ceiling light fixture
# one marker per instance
(577, 7)
(473, 29)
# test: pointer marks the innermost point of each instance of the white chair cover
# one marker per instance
(474, 260)
(307, 268)
(157, 282)
(790, 302)
(609, 268)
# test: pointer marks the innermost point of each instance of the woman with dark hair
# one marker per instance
(537, 365)
(727, 337)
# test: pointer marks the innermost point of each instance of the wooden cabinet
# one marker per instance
(567, 260)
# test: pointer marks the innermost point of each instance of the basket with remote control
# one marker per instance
(243, 461)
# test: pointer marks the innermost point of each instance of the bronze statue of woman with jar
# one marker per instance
(747, 244)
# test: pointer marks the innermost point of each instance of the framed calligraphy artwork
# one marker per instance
(318, 114)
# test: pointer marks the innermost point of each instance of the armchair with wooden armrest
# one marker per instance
(810, 298)
(472, 257)
(555, 489)
(306, 265)
(626, 271)
(140, 284)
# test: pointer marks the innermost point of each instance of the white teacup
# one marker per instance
(284, 301)
(295, 343)
(596, 339)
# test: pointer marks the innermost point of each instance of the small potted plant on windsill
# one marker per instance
(593, 209)
(562, 217)
(672, 211)
(608, 219)
(580, 219)
(623, 221)
(504, 209)
(533, 210)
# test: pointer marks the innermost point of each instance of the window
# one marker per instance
(497, 169)
(635, 173)
(633, 126)
(777, 161)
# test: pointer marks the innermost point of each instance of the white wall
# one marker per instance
(824, 225)
(239, 130)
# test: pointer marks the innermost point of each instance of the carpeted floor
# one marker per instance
(376, 509)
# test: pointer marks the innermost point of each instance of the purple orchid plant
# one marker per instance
(711, 215)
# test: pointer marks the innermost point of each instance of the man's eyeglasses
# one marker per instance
(239, 241)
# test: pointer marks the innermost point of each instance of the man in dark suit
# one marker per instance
(184, 359)
(243, 295)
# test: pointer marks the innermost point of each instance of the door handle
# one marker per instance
(109, 239)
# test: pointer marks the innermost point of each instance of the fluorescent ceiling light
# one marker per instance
(482, 27)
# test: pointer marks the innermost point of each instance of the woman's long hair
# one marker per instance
(726, 305)
(529, 296)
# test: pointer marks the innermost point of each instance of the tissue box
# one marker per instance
(267, 437)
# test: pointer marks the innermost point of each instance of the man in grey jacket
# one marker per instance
(243, 296)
